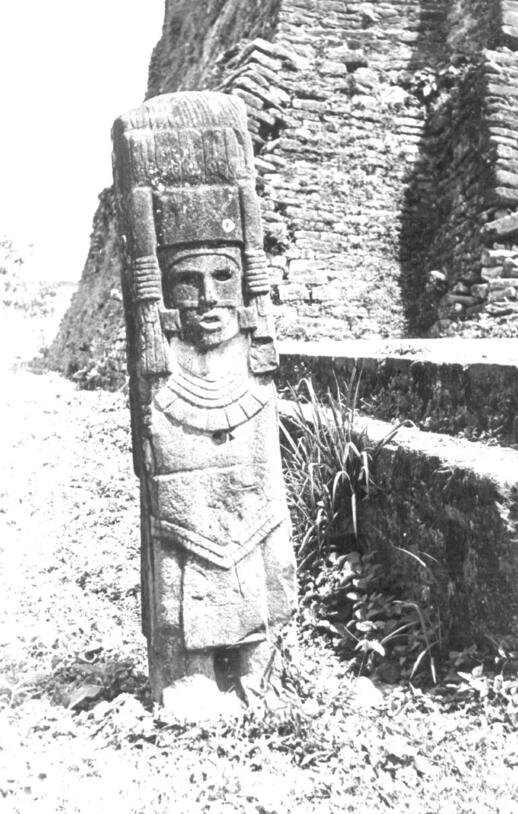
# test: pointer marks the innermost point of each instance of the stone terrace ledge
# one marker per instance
(453, 504)
(463, 387)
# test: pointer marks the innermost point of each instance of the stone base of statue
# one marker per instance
(196, 699)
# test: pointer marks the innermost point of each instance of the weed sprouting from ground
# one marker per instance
(327, 473)
(344, 588)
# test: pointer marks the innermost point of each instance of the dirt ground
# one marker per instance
(77, 730)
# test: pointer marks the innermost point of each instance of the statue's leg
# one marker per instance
(262, 661)
(201, 663)
(280, 568)
(221, 607)
(258, 661)
(166, 649)
(166, 659)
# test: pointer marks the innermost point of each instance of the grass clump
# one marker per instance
(345, 589)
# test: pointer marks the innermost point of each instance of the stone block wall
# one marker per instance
(195, 34)
(442, 519)
(469, 391)
(91, 343)
(468, 155)
(455, 507)
(386, 155)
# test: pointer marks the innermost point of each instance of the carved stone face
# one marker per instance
(205, 285)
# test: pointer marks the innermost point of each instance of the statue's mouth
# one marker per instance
(210, 321)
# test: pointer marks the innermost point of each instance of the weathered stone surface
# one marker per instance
(452, 505)
(218, 566)
(467, 388)
(455, 502)
(90, 346)
(196, 36)
(503, 227)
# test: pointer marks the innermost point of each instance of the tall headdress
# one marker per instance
(184, 171)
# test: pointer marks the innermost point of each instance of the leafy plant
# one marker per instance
(345, 591)
(328, 469)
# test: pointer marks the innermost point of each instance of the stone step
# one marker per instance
(461, 387)
(443, 519)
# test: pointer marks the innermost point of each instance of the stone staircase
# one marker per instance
(444, 515)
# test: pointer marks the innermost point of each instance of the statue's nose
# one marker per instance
(208, 294)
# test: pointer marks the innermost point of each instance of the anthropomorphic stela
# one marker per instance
(218, 569)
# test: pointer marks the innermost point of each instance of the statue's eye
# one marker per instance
(186, 278)
(222, 275)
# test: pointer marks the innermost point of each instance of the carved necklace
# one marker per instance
(210, 403)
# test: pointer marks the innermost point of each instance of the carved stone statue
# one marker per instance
(218, 571)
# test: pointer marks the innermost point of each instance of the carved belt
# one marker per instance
(221, 521)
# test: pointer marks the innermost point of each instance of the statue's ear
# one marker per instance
(170, 321)
(146, 284)
(247, 316)
(263, 357)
